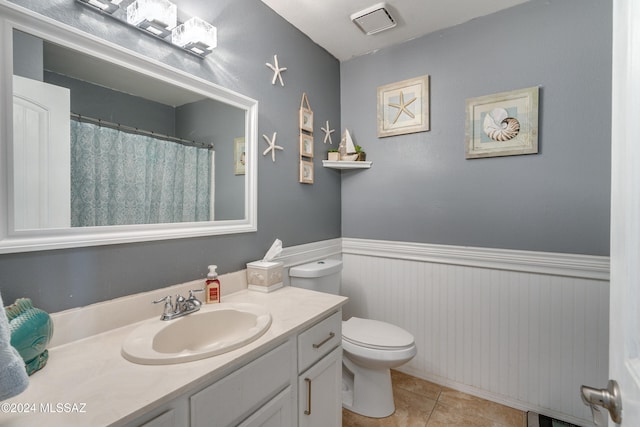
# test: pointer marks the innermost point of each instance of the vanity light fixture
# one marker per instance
(105, 6)
(195, 35)
(159, 19)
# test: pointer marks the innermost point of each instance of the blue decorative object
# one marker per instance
(31, 330)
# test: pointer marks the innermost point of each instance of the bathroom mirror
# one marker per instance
(101, 146)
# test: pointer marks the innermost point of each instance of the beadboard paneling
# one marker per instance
(516, 335)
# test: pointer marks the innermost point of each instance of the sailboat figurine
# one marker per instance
(346, 148)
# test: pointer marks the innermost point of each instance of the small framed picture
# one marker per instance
(403, 107)
(306, 120)
(306, 115)
(502, 124)
(239, 156)
(306, 172)
(306, 145)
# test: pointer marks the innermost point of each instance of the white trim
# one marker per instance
(557, 264)
(14, 16)
(309, 252)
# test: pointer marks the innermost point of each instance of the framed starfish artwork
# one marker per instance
(403, 107)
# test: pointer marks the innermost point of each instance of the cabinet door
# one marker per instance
(278, 412)
(242, 392)
(319, 393)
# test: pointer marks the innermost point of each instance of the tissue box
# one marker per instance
(264, 276)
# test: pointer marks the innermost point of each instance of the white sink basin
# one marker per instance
(215, 329)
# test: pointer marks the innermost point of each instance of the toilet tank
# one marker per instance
(322, 276)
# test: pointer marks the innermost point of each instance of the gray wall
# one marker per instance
(99, 102)
(249, 35)
(421, 188)
(27, 57)
(212, 121)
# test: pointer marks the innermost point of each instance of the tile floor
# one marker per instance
(420, 403)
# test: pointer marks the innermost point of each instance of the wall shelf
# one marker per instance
(343, 164)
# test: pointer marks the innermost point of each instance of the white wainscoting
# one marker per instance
(521, 328)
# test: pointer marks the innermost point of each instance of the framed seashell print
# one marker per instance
(403, 107)
(502, 124)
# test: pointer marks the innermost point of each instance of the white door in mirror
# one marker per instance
(41, 155)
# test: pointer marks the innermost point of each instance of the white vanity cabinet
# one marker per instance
(320, 374)
(298, 383)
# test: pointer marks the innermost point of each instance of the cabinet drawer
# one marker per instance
(235, 396)
(278, 412)
(167, 419)
(319, 340)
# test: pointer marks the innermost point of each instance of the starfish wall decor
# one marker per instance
(327, 133)
(277, 70)
(272, 146)
(402, 107)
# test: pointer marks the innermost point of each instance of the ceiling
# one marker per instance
(328, 23)
(68, 62)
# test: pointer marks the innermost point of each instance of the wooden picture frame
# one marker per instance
(502, 124)
(403, 107)
(239, 156)
(306, 145)
(306, 172)
(306, 115)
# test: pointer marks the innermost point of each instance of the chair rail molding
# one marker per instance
(557, 264)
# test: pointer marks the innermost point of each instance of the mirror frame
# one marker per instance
(16, 17)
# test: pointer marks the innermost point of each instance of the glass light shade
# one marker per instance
(156, 16)
(196, 35)
(105, 6)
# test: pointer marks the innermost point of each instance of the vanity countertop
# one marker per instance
(88, 382)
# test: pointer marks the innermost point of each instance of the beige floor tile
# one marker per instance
(415, 385)
(420, 403)
(412, 410)
(448, 416)
(468, 405)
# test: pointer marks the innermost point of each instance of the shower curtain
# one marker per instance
(120, 178)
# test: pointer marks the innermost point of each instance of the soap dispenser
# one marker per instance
(212, 286)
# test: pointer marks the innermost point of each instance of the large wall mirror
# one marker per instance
(101, 146)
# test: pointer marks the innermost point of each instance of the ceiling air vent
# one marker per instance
(374, 19)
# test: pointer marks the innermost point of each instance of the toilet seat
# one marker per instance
(376, 335)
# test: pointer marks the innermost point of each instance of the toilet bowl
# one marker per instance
(371, 348)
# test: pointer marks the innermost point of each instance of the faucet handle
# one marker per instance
(163, 299)
(191, 291)
(192, 299)
(168, 306)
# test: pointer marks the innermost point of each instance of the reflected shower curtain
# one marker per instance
(121, 178)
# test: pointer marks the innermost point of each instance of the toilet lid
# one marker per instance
(375, 334)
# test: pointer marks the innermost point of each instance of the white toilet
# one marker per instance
(370, 347)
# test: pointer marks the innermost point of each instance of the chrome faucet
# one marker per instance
(182, 307)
